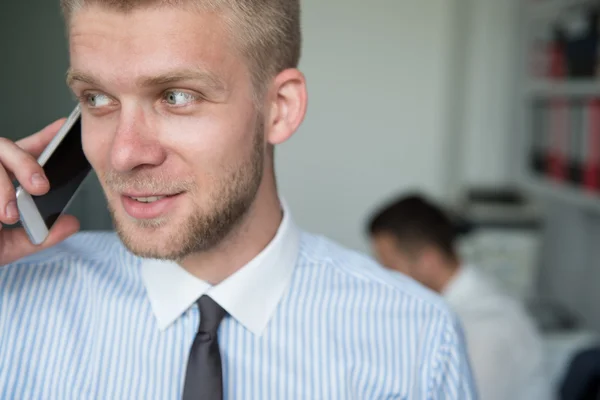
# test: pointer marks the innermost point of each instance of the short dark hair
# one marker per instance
(415, 222)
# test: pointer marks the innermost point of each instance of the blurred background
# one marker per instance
(490, 107)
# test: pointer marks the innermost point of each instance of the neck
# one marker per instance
(446, 275)
(252, 234)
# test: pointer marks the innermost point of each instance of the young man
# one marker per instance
(415, 237)
(208, 290)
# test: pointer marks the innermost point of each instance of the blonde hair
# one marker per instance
(267, 32)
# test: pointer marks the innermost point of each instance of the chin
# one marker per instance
(161, 238)
(173, 237)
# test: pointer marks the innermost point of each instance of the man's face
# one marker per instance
(169, 125)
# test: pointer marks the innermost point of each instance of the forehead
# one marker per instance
(148, 41)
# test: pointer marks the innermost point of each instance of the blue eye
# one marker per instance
(97, 100)
(178, 98)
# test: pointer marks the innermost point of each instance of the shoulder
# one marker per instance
(386, 316)
(490, 315)
(84, 265)
(405, 300)
(485, 301)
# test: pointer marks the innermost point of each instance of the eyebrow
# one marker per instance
(207, 79)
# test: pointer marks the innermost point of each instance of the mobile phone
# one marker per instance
(66, 167)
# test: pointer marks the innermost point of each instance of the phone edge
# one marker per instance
(30, 217)
(60, 135)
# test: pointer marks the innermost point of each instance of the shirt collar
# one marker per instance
(250, 295)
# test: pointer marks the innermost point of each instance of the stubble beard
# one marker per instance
(204, 229)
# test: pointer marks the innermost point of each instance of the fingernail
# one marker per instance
(38, 180)
(12, 211)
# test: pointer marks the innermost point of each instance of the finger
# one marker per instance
(9, 213)
(36, 143)
(15, 244)
(23, 166)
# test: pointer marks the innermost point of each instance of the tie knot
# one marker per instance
(211, 314)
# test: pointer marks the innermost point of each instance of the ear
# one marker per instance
(288, 102)
(430, 259)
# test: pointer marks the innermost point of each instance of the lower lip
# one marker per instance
(139, 210)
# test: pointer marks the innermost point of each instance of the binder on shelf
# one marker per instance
(564, 103)
(556, 167)
(557, 67)
(577, 35)
(539, 141)
(559, 136)
(576, 143)
(591, 167)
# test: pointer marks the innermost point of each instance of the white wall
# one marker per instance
(491, 85)
(379, 111)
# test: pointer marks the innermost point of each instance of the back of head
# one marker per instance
(415, 223)
(266, 32)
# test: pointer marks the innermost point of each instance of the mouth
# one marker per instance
(149, 199)
(149, 206)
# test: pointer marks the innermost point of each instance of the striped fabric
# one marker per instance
(76, 323)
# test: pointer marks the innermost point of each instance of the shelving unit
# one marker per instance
(545, 10)
(540, 15)
(554, 88)
(564, 193)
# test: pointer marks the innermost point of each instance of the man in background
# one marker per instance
(414, 237)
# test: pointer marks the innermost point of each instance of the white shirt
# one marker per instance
(503, 344)
(308, 319)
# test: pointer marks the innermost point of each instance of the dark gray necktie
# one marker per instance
(204, 376)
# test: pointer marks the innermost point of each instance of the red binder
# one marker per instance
(559, 123)
(559, 128)
(591, 167)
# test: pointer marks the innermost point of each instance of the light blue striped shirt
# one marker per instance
(308, 319)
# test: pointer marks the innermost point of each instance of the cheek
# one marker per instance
(96, 138)
(213, 142)
(92, 145)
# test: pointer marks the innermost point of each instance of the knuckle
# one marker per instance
(7, 192)
(5, 141)
(27, 164)
(10, 150)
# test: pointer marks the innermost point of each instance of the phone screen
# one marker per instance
(66, 169)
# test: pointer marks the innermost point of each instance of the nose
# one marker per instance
(135, 143)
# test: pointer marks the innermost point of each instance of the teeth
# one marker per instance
(148, 199)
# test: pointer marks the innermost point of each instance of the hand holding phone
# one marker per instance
(18, 160)
(66, 167)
